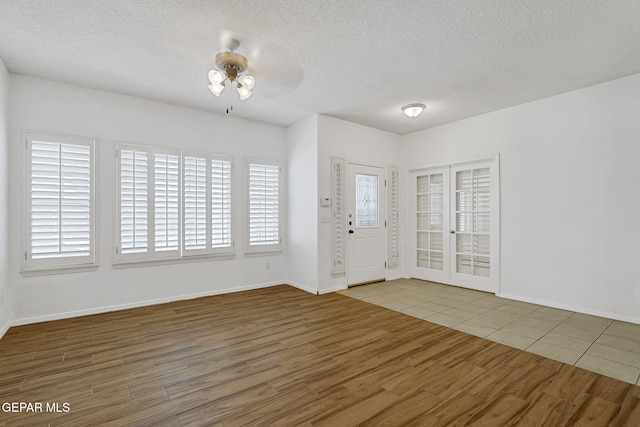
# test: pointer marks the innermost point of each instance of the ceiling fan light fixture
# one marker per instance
(216, 88)
(216, 76)
(232, 67)
(413, 110)
(247, 81)
(244, 93)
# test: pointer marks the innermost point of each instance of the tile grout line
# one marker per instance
(553, 329)
(593, 342)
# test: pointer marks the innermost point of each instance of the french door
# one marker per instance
(455, 225)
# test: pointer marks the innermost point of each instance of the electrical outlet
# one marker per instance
(267, 266)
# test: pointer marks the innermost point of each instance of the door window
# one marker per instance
(366, 201)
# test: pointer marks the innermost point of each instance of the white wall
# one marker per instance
(5, 304)
(569, 194)
(38, 104)
(358, 144)
(302, 214)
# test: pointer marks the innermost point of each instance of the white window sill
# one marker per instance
(46, 271)
(265, 252)
(119, 264)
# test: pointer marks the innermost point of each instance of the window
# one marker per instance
(166, 169)
(366, 201)
(134, 200)
(264, 206)
(172, 204)
(60, 232)
(207, 204)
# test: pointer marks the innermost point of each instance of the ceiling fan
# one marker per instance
(278, 72)
(233, 69)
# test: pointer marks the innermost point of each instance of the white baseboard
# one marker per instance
(302, 287)
(570, 307)
(107, 309)
(4, 329)
(394, 275)
(334, 289)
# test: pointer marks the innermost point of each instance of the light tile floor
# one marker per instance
(605, 346)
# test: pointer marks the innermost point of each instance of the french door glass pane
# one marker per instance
(463, 264)
(463, 244)
(423, 240)
(481, 200)
(435, 242)
(481, 178)
(463, 201)
(436, 222)
(423, 259)
(481, 266)
(463, 221)
(423, 221)
(430, 211)
(423, 184)
(436, 261)
(436, 184)
(481, 222)
(481, 244)
(436, 202)
(423, 203)
(473, 205)
(463, 180)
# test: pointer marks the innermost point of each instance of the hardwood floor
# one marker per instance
(280, 356)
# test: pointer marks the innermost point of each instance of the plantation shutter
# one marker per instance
(393, 216)
(220, 203)
(195, 202)
(134, 203)
(61, 200)
(166, 202)
(338, 224)
(264, 204)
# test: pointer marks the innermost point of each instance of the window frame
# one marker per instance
(58, 265)
(269, 248)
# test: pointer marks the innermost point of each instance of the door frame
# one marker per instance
(494, 162)
(383, 217)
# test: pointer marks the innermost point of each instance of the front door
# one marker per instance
(366, 224)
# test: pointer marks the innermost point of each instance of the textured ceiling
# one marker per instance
(355, 60)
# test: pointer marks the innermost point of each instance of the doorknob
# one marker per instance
(453, 232)
(350, 231)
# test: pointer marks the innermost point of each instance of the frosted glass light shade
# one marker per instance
(216, 88)
(247, 81)
(413, 110)
(244, 93)
(216, 76)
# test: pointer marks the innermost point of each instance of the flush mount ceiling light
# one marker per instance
(232, 69)
(413, 110)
